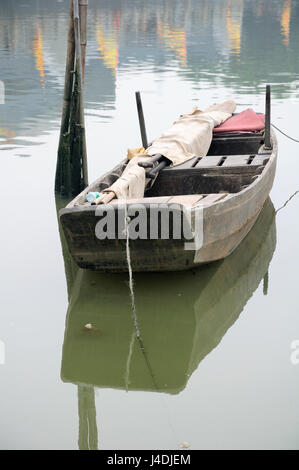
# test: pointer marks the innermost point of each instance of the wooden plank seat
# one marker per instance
(210, 175)
(233, 144)
(213, 174)
(224, 161)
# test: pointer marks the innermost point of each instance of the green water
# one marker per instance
(216, 368)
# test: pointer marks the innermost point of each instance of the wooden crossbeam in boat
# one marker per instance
(148, 200)
(186, 200)
(209, 161)
(211, 198)
(230, 161)
(236, 160)
(260, 160)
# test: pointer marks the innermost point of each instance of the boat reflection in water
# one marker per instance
(182, 317)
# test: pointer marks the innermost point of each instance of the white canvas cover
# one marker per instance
(191, 135)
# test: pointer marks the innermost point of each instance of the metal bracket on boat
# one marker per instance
(151, 161)
(154, 171)
(158, 158)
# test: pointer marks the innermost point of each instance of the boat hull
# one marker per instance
(217, 228)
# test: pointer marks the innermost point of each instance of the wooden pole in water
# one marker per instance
(83, 12)
(77, 131)
(62, 179)
(68, 81)
(71, 171)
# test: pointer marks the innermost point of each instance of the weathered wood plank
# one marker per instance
(186, 200)
(209, 161)
(211, 198)
(233, 170)
(216, 170)
(188, 164)
(236, 160)
(236, 145)
(198, 181)
(145, 200)
(260, 160)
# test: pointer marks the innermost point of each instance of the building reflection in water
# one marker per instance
(234, 18)
(183, 316)
(175, 39)
(195, 39)
(108, 47)
(285, 21)
(39, 55)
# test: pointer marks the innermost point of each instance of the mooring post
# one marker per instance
(267, 143)
(71, 170)
(141, 120)
(83, 12)
(62, 179)
(78, 140)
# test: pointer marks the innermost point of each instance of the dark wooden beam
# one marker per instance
(141, 120)
(268, 118)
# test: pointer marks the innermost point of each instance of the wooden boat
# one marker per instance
(198, 307)
(223, 193)
(109, 355)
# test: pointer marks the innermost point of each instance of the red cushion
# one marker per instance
(246, 121)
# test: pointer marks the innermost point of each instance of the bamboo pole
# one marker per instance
(68, 81)
(62, 179)
(71, 171)
(83, 12)
(78, 139)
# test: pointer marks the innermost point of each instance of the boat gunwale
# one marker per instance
(75, 208)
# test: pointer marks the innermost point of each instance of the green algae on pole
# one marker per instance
(83, 12)
(62, 179)
(71, 171)
(77, 125)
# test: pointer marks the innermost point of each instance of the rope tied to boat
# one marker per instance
(283, 133)
(131, 282)
(296, 192)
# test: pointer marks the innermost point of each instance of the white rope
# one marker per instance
(283, 133)
(127, 374)
(131, 282)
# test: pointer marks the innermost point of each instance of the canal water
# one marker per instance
(218, 371)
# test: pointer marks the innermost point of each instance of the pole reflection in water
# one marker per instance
(182, 316)
(88, 431)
